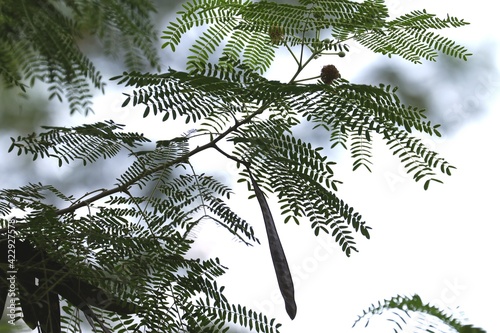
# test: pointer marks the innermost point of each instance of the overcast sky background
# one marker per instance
(441, 243)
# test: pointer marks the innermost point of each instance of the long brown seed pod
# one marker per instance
(277, 254)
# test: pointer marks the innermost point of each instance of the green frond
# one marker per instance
(207, 44)
(155, 165)
(260, 27)
(87, 143)
(376, 106)
(124, 27)
(301, 178)
(343, 109)
(198, 13)
(261, 16)
(263, 143)
(331, 215)
(28, 197)
(361, 150)
(420, 19)
(9, 65)
(444, 45)
(192, 96)
(219, 119)
(350, 18)
(397, 42)
(119, 243)
(244, 25)
(359, 108)
(259, 54)
(201, 195)
(337, 136)
(410, 38)
(239, 315)
(234, 47)
(213, 312)
(417, 159)
(213, 94)
(299, 196)
(39, 43)
(430, 318)
(230, 220)
(5, 209)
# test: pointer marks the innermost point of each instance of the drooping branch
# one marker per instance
(125, 186)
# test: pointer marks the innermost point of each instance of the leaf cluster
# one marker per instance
(429, 318)
(253, 31)
(136, 247)
(40, 43)
(133, 240)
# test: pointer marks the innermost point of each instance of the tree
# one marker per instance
(120, 255)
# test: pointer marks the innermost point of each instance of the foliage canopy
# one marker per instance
(121, 255)
(41, 43)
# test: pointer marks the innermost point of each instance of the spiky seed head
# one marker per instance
(276, 34)
(329, 73)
